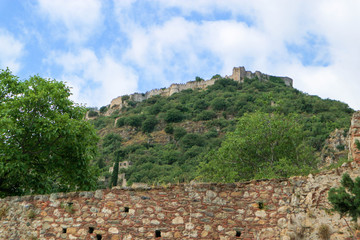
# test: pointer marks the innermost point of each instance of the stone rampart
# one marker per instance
(266, 209)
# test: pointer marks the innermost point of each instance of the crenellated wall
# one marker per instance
(239, 74)
(294, 208)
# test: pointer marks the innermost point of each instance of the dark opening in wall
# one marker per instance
(157, 233)
(70, 204)
(98, 236)
(238, 234)
(64, 230)
(91, 229)
(261, 205)
(126, 209)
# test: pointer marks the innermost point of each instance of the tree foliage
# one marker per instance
(263, 145)
(346, 199)
(45, 145)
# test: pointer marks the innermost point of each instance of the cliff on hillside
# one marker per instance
(239, 75)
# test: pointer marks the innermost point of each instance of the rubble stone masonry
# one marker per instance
(294, 208)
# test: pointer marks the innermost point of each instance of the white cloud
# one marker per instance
(328, 68)
(95, 80)
(11, 50)
(80, 18)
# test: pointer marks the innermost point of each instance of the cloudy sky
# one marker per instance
(104, 48)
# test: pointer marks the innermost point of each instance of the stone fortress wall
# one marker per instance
(293, 208)
(239, 74)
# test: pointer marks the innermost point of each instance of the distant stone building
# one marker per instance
(121, 176)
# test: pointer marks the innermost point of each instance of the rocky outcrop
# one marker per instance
(335, 147)
(354, 135)
(239, 74)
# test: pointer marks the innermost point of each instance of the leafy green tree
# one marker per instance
(346, 199)
(260, 144)
(115, 174)
(45, 145)
(119, 154)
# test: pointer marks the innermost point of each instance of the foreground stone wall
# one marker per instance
(268, 209)
(295, 208)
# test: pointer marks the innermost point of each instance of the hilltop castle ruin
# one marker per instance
(239, 74)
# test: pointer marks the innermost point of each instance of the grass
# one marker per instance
(3, 212)
(324, 232)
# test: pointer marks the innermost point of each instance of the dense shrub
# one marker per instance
(179, 132)
(134, 121)
(169, 129)
(199, 79)
(125, 98)
(120, 122)
(207, 115)
(149, 124)
(216, 76)
(200, 104)
(218, 104)
(103, 109)
(174, 115)
(192, 139)
(93, 113)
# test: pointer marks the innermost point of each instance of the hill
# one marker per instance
(164, 136)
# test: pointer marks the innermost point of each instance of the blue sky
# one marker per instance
(104, 49)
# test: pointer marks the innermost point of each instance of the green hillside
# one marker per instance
(165, 138)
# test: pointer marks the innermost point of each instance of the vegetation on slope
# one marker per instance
(166, 138)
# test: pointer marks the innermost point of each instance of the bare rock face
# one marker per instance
(336, 147)
(354, 135)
